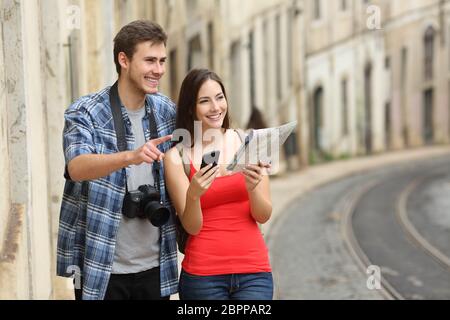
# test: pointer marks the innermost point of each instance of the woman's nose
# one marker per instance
(215, 105)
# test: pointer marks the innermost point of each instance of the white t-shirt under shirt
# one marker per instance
(137, 244)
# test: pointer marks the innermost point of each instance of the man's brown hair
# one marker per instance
(134, 33)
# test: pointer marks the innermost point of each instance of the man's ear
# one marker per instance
(123, 60)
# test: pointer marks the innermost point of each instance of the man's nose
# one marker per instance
(159, 69)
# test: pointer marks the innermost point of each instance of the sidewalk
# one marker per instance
(287, 188)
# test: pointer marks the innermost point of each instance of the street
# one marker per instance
(395, 218)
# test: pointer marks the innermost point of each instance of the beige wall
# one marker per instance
(26, 272)
(14, 163)
(4, 156)
(36, 125)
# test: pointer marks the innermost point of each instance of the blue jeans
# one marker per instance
(245, 286)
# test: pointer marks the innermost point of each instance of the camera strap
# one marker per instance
(119, 127)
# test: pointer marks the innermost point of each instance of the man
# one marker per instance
(119, 257)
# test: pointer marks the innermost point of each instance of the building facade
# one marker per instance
(376, 75)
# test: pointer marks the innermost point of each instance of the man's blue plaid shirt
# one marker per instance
(91, 210)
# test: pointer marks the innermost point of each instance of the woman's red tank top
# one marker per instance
(230, 240)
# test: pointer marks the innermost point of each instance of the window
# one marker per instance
(428, 116)
(404, 65)
(290, 26)
(317, 9)
(387, 62)
(251, 57)
(429, 53)
(448, 48)
(344, 102)
(278, 56)
(403, 86)
(173, 75)
(73, 65)
(234, 94)
(368, 107)
(191, 7)
(387, 121)
(211, 45)
(195, 53)
(266, 57)
(317, 119)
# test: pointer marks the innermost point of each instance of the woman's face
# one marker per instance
(211, 105)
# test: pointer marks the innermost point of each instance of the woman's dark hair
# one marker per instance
(134, 33)
(187, 100)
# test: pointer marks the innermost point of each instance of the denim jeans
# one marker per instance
(245, 286)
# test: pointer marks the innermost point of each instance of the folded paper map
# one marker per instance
(261, 145)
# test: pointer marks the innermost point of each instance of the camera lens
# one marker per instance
(156, 213)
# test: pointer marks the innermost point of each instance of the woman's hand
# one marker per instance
(254, 174)
(201, 181)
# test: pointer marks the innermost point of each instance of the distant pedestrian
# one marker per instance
(256, 120)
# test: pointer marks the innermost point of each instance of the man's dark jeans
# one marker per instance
(134, 286)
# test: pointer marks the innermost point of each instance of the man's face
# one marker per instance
(147, 66)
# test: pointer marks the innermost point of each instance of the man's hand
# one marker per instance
(149, 152)
(94, 166)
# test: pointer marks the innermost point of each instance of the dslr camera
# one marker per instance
(144, 203)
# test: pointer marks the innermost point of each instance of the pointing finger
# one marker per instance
(154, 149)
(158, 141)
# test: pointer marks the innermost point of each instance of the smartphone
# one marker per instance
(210, 157)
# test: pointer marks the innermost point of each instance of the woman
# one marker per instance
(225, 256)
